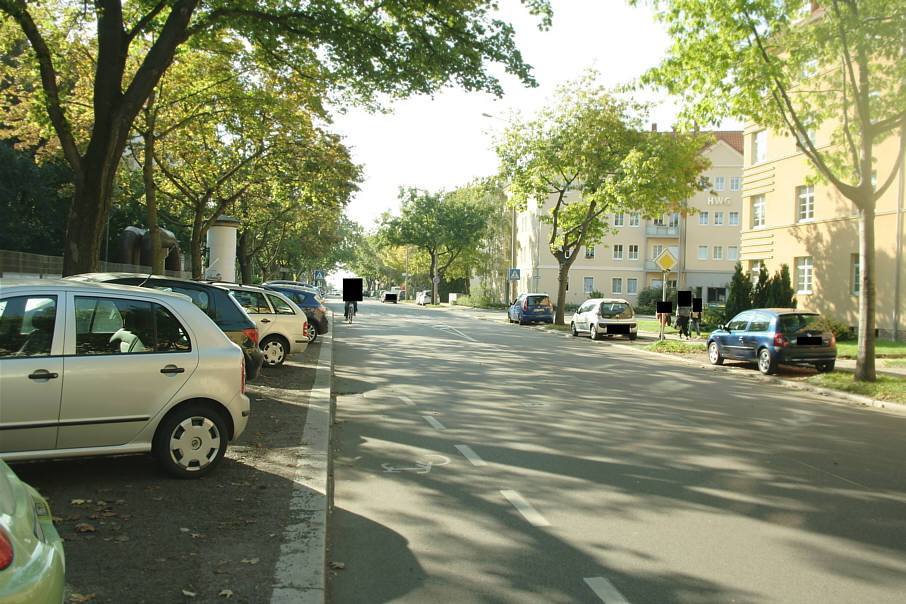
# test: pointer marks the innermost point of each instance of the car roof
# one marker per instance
(786, 311)
(609, 300)
(106, 277)
(12, 284)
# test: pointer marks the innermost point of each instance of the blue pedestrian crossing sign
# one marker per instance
(319, 275)
(514, 274)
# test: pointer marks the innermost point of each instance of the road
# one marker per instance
(477, 461)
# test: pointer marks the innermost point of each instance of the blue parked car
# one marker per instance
(771, 336)
(531, 308)
(308, 301)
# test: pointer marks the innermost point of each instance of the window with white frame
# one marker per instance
(754, 270)
(758, 210)
(589, 252)
(634, 220)
(656, 250)
(734, 219)
(674, 219)
(703, 252)
(703, 218)
(659, 221)
(632, 286)
(633, 252)
(759, 146)
(805, 196)
(717, 252)
(855, 273)
(719, 183)
(618, 220)
(732, 252)
(616, 286)
(718, 218)
(589, 283)
(618, 251)
(735, 183)
(805, 273)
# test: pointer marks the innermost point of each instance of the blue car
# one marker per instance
(531, 308)
(771, 336)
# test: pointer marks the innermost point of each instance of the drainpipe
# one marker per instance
(899, 240)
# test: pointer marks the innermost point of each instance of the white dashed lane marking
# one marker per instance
(471, 455)
(434, 423)
(525, 508)
(605, 590)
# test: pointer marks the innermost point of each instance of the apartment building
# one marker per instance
(790, 219)
(705, 243)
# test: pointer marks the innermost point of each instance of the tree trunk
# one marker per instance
(89, 211)
(434, 276)
(197, 234)
(245, 260)
(865, 357)
(157, 261)
(562, 276)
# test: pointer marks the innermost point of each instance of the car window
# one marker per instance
(171, 335)
(253, 302)
(113, 326)
(280, 306)
(739, 322)
(539, 301)
(27, 325)
(587, 306)
(199, 298)
(802, 322)
(616, 310)
(760, 322)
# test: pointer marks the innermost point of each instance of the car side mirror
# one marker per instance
(722, 326)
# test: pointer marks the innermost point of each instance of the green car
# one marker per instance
(32, 564)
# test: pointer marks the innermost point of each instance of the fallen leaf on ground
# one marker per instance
(79, 598)
(226, 593)
(189, 594)
(251, 560)
(80, 501)
(337, 565)
(84, 527)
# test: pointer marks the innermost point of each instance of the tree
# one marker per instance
(739, 298)
(794, 66)
(587, 156)
(782, 293)
(761, 294)
(362, 50)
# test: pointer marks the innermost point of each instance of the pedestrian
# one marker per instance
(697, 322)
(682, 320)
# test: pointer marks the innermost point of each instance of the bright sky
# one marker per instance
(446, 142)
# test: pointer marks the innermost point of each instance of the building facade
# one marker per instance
(705, 243)
(790, 217)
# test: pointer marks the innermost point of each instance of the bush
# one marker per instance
(711, 318)
(648, 299)
(840, 329)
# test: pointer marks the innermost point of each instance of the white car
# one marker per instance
(605, 316)
(423, 297)
(283, 328)
(95, 368)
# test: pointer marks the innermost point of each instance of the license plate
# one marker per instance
(809, 341)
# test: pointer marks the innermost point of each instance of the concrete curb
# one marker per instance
(299, 576)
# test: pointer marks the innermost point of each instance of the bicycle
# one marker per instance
(349, 311)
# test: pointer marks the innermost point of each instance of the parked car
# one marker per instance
(96, 368)
(531, 308)
(312, 288)
(388, 297)
(310, 304)
(771, 336)
(424, 297)
(214, 300)
(604, 316)
(32, 563)
(282, 326)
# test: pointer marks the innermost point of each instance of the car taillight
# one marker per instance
(779, 340)
(252, 333)
(833, 340)
(6, 550)
(525, 304)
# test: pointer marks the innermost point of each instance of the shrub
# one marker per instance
(711, 318)
(840, 329)
(648, 299)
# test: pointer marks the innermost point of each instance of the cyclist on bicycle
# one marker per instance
(351, 308)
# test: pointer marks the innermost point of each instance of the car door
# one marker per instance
(733, 343)
(582, 316)
(293, 320)
(31, 371)
(755, 335)
(255, 304)
(112, 392)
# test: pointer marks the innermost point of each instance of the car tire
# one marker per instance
(274, 349)
(714, 355)
(767, 364)
(825, 367)
(593, 332)
(572, 329)
(191, 440)
(312, 334)
(633, 336)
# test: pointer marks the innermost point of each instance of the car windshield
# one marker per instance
(795, 323)
(538, 301)
(616, 310)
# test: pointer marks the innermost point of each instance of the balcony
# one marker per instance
(662, 231)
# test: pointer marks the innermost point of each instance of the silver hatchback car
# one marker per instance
(605, 316)
(93, 368)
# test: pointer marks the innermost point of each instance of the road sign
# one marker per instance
(437, 279)
(514, 274)
(666, 260)
(319, 275)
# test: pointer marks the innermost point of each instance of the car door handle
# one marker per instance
(172, 369)
(43, 374)
(265, 320)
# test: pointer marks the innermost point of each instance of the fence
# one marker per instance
(23, 264)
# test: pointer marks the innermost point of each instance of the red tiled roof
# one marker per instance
(731, 137)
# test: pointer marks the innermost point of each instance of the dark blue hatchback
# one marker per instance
(531, 308)
(771, 336)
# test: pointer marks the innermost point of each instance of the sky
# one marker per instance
(445, 142)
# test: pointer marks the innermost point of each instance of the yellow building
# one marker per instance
(815, 230)
(705, 244)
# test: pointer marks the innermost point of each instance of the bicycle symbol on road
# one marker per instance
(422, 466)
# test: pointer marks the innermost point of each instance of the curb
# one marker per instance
(299, 576)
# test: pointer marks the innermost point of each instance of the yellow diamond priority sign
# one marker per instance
(666, 260)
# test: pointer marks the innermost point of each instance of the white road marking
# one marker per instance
(454, 331)
(421, 467)
(434, 423)
(471, 455)
(605, 590)
(532, 405)
(525, 508)
(406, 399)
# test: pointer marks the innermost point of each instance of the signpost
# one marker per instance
(665, 261)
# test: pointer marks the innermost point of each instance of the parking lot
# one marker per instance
(133, 534)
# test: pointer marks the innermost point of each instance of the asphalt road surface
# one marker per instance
(477, 461)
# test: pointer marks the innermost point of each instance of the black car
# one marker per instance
(215, 301)
(770, 336)
(308, 301)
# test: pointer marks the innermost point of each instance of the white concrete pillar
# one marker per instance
(222, 249)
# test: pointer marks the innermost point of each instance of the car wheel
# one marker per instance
(312, 334)
(572, 329)
(633, 336)
(825, 367)
(714, 355)
(593, 332)
(766, 363)
(191, 441)
(274, 349)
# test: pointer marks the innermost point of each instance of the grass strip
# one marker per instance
(886, 388)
